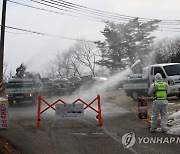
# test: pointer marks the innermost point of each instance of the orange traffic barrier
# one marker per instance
(98, 110)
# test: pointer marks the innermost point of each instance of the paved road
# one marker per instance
(80, 136)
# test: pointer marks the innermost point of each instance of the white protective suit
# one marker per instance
(158, 107)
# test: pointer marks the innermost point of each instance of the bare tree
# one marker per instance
(74, 63)
(49, 71)
(84, 52)
(167, 50)
(66, 68)
(63, 65)
(58, 62)
(81, 56)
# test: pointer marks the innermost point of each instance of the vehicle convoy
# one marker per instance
(62, 86)
(76, 81)
(138, 84)
(24, 86)
(47, 85)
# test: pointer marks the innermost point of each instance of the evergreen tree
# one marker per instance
(125, 43)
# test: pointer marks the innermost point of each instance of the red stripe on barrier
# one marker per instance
(39, 110)
(51, 106)
(47, 103)
(99, 113)
(87, 105)
(90, 103)
(41, 100)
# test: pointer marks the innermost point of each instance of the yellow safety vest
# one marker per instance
(160, 89)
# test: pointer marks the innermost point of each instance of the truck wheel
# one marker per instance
(135, 96)
(178, 96)
(18, 102)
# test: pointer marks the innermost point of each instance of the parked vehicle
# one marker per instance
(138, 84)
(23, 87)
(47, 87)
(62, 86)
(86, 78)
(86, 81)
(76, 81)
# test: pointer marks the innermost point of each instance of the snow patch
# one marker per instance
(174, 123)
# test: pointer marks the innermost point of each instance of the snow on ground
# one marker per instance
(174, 123)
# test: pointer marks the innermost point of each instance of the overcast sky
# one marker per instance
(36, 50)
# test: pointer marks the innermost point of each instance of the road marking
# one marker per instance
(97, 133)
(117, 138)
(83, 134)
(86, 134)
(54, 138)
(112, 135)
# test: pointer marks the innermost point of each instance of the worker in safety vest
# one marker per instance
(159, 90)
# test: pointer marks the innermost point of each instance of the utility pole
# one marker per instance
(3, 19)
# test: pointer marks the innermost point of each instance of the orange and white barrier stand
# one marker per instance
(98, 110)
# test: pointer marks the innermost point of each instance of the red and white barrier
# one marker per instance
(87, 105)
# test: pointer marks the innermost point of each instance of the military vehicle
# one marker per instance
(23, 87)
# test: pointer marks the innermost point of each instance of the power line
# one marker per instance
(81, 14)
(120, 17)
(100, 20)
(69, 9)
(72, 5)
(15, 33)
(34, 7)
(46, 10)
(45, 34)
(100, 11)
(42, 9)
(87, 8)
(56, 7)
(51, 35)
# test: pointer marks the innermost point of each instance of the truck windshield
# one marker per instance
(172, 70)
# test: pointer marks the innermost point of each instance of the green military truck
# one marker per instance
(23, 87)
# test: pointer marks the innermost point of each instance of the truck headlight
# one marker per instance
(29, 94)
(8, 95)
